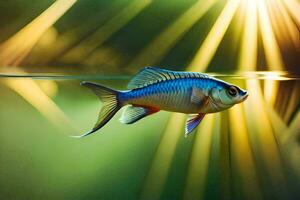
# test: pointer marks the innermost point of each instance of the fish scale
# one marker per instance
(170, 95)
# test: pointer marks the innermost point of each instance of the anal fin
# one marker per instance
(132, 114)
(192, 122)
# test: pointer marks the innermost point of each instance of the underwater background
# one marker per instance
(251, 151)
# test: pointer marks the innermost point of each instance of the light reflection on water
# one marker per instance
(250, 151)
(262, 75)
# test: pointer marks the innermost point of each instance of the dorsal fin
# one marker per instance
(151, 75)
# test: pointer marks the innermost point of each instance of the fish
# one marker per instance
(153, 89)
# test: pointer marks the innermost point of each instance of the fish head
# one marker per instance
(231, 94)
(227, 95)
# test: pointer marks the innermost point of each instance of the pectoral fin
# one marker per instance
(132, 114)
(192, 122)
(198, 97)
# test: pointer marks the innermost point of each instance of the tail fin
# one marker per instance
(110, 107)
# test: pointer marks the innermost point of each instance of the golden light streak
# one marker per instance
(293, 130)
(285, 27)
(241, 155)
(271, 86)
(86, 47)
(156, 177)
(72, 36)
(33, 94)
(16, 48)
(248, 56)
(198, 164)
(50, 88)
(263, 141)
(279, 126)
(291, 144)
(272, 51)
(276, 22)
(247, 62)
(160, 45)
(214, 38)
(157, 174)
(225, 157)
(271, 48)
(238, 22)
(293, 102)
(294, 7)
(287, 138)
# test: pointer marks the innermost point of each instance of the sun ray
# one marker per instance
(157, 175)
(272, 51)
(238, 22)
(161, 44)
(293, 131)
(248, 53)
(259, 127)
(225, 157)
(286, 29)
(87, 46)
(271, 86)
(287, 139)
(209, 47)
(241, 156)
(279, 126)
(276, 22)
(293, 6)
(294, 99)
(261, 137)
(34, 95)
(291, 143)
(74, 35)
(199, 160)
(155, 180)
(16, 48)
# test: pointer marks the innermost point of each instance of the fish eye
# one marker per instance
(232, 91)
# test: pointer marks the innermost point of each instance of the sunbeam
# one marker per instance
(158, 171)
(199, 160)
(161, 44)
(290, 142)
(241, 155)
(34, 95)
(73, 36)
(271, 49)
(209, 47)
(294, 99)
(248, 52)
(294, 7)
(156, 176)
(258, 125)
(16, 48)
(284, 27)
(261, 136)
(87, 46)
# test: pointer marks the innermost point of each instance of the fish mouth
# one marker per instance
(245, 97)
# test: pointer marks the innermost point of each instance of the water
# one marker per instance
(251, 151)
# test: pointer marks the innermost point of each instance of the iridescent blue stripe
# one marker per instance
(171, 86)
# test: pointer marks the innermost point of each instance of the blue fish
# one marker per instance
(154, 89)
